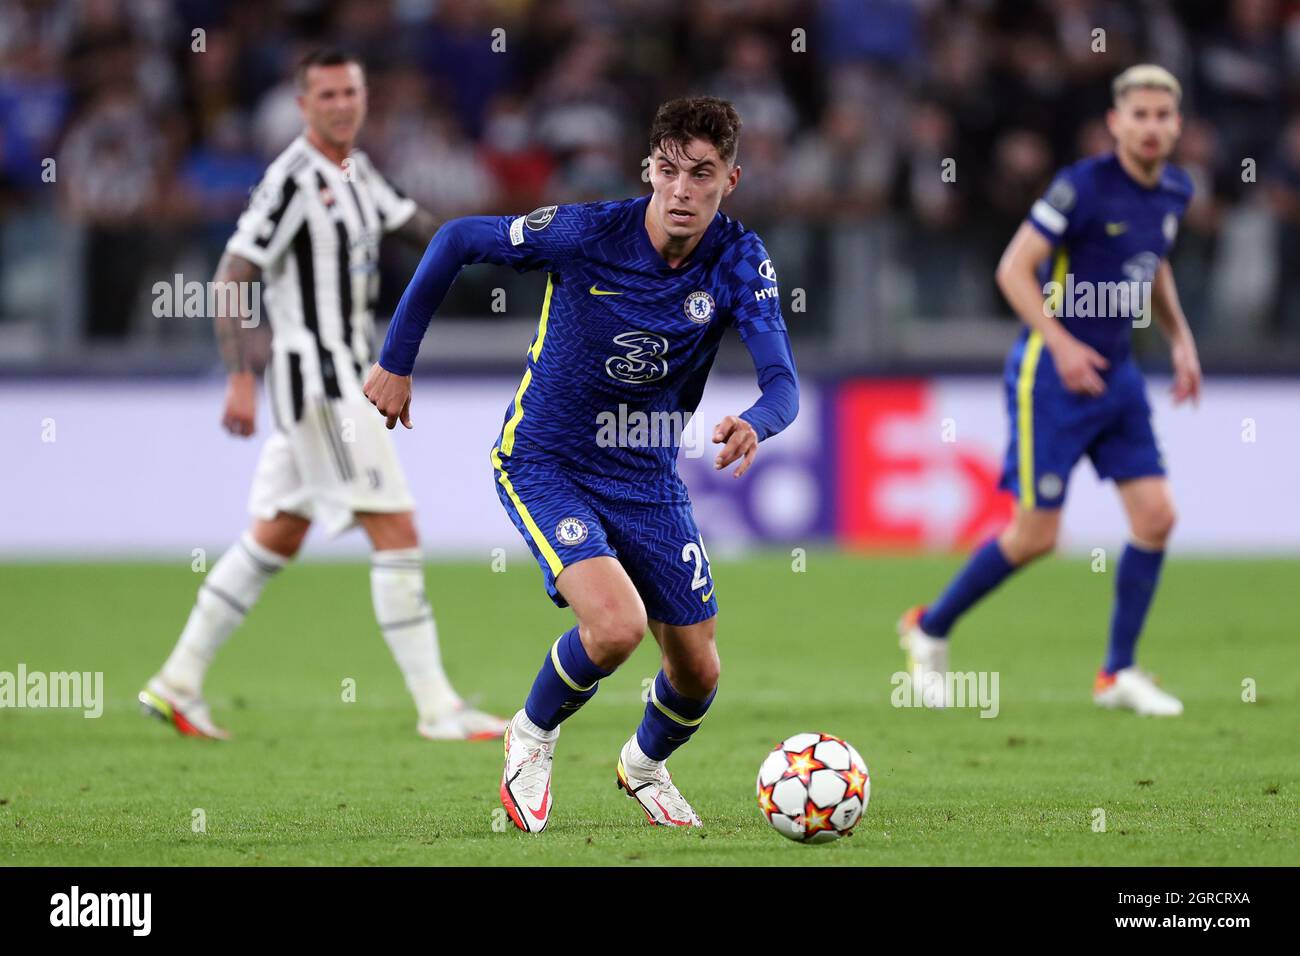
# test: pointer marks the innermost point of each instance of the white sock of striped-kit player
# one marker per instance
(232, 587)
(405, 617)
(236, 581)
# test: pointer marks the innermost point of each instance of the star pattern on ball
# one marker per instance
(857, 783)
(801, 764)
(816, 819)
(765, 801)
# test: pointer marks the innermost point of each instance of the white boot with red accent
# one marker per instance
(648, 783)
(526, 778)
(187, 712)
(1136, 690)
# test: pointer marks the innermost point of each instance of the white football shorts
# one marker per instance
(336, 461)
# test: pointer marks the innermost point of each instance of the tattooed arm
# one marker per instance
(418, 230)
(238, 340)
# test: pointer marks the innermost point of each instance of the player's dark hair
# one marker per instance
(709, 118)
(325, 56)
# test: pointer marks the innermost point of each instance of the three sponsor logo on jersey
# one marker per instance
(643, 358)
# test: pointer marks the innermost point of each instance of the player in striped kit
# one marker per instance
(311, 235)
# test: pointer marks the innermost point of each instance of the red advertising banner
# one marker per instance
(907, 476)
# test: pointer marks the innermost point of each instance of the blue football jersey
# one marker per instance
(1105, 228)
(622, 333)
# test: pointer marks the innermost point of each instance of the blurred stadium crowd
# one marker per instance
(850, 109)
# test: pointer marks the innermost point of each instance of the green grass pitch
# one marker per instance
(311, 779)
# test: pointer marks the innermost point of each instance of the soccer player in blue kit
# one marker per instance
(1073, 388)
(639, 293)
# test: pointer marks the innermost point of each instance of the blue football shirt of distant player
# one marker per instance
(621, 333)
(1105, 228)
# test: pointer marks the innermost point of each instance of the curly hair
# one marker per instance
(709, 118)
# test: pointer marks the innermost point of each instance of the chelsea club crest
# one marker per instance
(571, 531)
(698, 307)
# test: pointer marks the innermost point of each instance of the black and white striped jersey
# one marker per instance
(313, 229)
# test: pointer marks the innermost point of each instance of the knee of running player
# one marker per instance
(698, 677)
(390, 531)
(611, 631)
(1030, 535)
(1152, 525)
(694, 671)
(282, 534)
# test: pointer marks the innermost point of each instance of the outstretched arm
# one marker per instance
(460, 242)
(775, 409)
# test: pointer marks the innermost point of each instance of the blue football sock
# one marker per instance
(1135, 586)
(670, 719)
(987, 568)
(567, 680)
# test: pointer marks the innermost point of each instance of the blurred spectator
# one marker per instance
(1284, 194)
(1020, 170)
(582, 119)
(870, 30)
(843, 169)
(161, 111)
(34, 103)
(110, 175)
(1194, 253)
(937, 248)
(217, 178)
(439, 169)
(521, 167)
(761, 196)
(459, 54)
(1242, 71)
(1094, 139)
(752, 84)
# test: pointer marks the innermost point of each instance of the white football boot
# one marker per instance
(662, 802)
(465, 723)
(927, 659)
(526, 779)
(188, 713)
(1136, 690)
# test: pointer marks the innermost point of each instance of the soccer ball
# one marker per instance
(813, 788)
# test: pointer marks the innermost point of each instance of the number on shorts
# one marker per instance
(693, 551)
